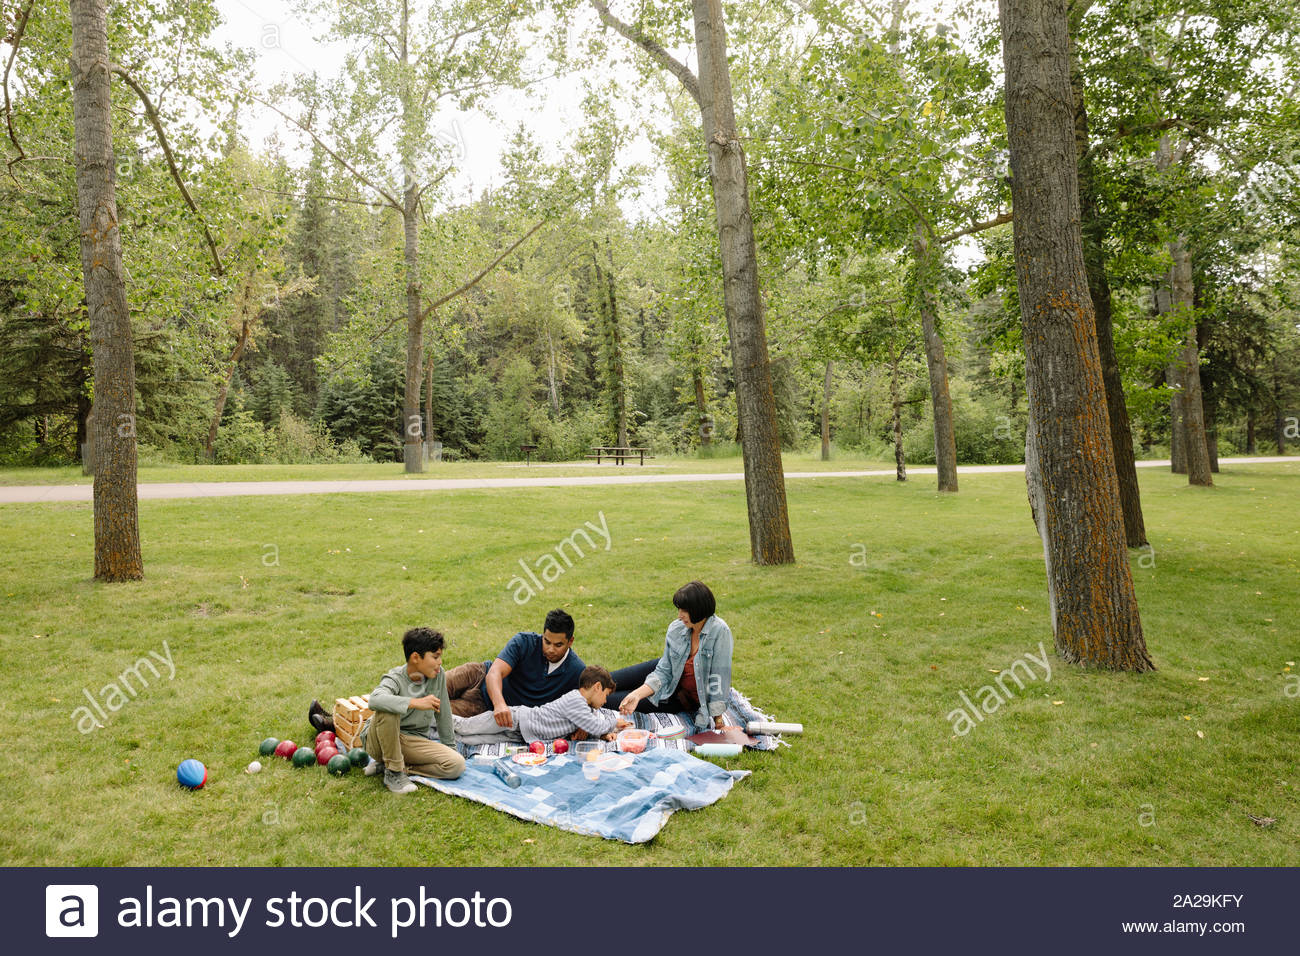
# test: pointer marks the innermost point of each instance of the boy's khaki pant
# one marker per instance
(408, 753)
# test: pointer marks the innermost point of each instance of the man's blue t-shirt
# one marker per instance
(529, 682)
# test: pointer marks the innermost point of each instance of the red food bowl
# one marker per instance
(633, 741)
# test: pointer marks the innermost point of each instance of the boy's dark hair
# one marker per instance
(422, 640)
(559, 621)
(696, 600)
(595, 674)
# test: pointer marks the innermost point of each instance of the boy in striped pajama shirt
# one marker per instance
(580, 709)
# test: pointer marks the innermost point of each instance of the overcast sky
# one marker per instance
(284, 44)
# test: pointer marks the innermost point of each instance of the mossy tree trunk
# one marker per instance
(1070, 465)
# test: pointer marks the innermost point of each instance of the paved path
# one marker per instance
(227, 489)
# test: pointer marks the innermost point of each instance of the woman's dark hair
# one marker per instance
(696, 600)
(422, 640)
(559, 622)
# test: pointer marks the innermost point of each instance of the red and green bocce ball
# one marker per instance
(191, 774)
(285, 749)
(268, 746)
(358, 757)
(338, 764)
(325, 755)
(304, 757)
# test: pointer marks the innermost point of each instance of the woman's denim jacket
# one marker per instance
(712, 668)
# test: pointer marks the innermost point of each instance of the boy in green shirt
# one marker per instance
(407, 701)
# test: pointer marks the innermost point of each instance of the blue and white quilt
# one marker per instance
(674, 727)
(631, 804)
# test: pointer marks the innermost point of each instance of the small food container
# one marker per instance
(583, 749)
(591, 770)
(633, 741)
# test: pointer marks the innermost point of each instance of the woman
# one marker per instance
(694, 672)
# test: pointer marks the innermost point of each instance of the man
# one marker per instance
(531, 670)
(407, 702)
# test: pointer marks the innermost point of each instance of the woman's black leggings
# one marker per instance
(629, 679)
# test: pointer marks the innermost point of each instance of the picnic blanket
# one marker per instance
(677, 726)
(631, 804)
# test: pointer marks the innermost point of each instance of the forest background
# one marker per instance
(583, 304)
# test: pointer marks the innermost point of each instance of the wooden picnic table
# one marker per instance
(619, 453)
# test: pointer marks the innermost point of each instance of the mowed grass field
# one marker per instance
(901, 601)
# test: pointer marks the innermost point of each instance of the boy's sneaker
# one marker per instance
(398, 782)
(373, 767)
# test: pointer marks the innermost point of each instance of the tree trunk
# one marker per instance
(618, 385)
(223, 391)
(552, 376)
(765, 480)
(702, 409)
(756, 423)
(413, 442)
(896, 402)
(826, 410)
(1162, 295)
(85, 448)
(1189, 369)
(117, 526)
(769, 520)
(428, 397)
(1177, 428)
(1211, 403)
(1070, 465)
(1094, 258)
(1279, 420)
(1252, 447)
(945, 440)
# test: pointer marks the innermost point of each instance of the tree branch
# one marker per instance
(361, 177)
(486, 269)
(1000, 219)
(370, 203)
(419, 193)
(1124, 132)
(463, 288)
(654, 49)
(156, 122)
(9, 116)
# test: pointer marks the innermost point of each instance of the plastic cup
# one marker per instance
(591, 770)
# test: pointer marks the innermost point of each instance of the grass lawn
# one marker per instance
(901, 601)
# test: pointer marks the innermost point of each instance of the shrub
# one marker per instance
(296, 442)
(241, 441)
